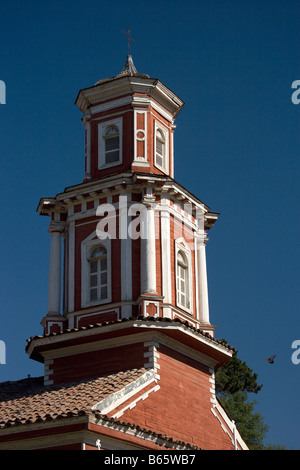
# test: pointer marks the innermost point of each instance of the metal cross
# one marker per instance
(129, 38)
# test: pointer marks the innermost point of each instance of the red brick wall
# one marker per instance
(97, 363)
(181, 408)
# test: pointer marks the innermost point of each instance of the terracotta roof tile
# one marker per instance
(29, 400)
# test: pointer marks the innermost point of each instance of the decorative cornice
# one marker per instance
(122, 85)
(166, 324)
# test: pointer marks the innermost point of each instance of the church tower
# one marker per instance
(133, 238)
(128, 348)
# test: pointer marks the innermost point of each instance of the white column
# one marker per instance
(87, 125)
(148, 262)
(202, 280)
(166, 256)
(126, 255)
(54, 287)
(71, 267)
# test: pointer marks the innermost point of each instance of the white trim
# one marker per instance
(202, 284)
(88, 146)
(165, 132)
(151, 341)
(116, 399)
(166, 253)
(148, 253)
(54, 283)
(134, 402)
(134, 338)
(77, 318)
(71, 273)
(118, 122)
(232, 432)
(138, 158)
(146, 102)
(111, 105)
(126, 256)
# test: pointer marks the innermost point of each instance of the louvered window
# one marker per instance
(112, 144)
(182, 280)
(160, 149)
(98, 287)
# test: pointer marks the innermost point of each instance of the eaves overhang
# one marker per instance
(161, 183)
(182, 332)
(121, 85)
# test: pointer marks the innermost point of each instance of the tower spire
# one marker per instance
(129, 67)
(129, 38)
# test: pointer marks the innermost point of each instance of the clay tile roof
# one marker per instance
(29, 400)
(141, 319)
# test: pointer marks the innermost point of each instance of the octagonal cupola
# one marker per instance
(129, 124)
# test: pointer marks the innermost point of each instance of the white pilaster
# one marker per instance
(202, 280)
(126, 255)
(148, 262)
(87, 125)
(54, 287)
(166, 255)
(71, 267)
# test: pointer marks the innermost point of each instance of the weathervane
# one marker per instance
(129, 38)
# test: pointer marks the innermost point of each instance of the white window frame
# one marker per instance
(97, 274)
(87, 247)
(181, 245)
(102, 127)
(159, 128)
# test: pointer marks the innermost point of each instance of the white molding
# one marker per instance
(231, 427)
(77, 318)
(118, 103)
(134, 402)
(116, 399)
(137, 159)
(126, 256)
(155, 339)
(149, 302)
(166, 253)
(87, 124)
(144, 326)
(148, 253)
(202, 283)
(71, 267)
(165, 131)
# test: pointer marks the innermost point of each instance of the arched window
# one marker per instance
(160, 149)
(98, 285)
(182, 280)
(112, 144)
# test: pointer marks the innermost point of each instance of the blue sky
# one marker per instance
(237, 146)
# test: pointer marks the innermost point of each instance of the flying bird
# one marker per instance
(271, 359)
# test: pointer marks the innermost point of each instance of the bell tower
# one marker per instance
(128, 349)
(133, 238)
